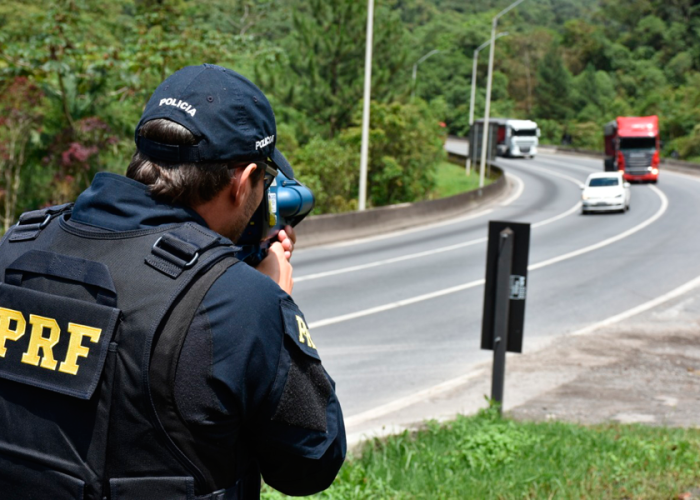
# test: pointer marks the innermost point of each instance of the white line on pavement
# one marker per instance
(556, 174)
(361, 267)
(685, 288)
(519, 188)
(601, 244)
(394, 305)
(377, 263)
(448, 385)
(394, 234)
(570, 211)
(412, 399)
(459, 288)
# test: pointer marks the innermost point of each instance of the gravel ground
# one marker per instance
(645, 369)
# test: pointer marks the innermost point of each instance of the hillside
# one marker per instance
(76, 73)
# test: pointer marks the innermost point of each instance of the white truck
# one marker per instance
(515, 138)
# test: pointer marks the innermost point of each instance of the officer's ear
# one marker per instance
(241, 185)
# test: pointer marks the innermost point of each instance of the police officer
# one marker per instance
(138, 358)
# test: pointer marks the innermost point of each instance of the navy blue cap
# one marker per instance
(230, 117)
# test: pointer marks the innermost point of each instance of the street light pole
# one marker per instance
(473, 96)
(415, 69)
(364, 152)
(484, 142)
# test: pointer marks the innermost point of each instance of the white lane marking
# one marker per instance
(695, 177)
(625, 234)
(448, 385)
(518, 191)
(400, 232)
(418, 255)
(595, 168)
(394, 305)
(407, 401)
(570, 211)
(554, 173)
(369, 265)
(361, 267)
(561, 162)
(685, 288)
(459, 288)
(563, 176)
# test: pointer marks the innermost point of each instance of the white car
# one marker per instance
(605, 191)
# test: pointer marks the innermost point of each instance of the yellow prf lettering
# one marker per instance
(76, 348)
(304, 335)
(37, 341)
(6, 316)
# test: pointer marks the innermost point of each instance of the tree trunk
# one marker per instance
(9, 177)
(6, 200)
(17, 170)
(64, 99)
(12, 170)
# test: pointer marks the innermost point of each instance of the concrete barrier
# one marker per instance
(681, 166)
(330, 228)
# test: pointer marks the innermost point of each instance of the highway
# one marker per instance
(398, 314)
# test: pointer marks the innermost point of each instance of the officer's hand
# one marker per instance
(276, 265)
(288, 238)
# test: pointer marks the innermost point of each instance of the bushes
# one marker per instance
(689, 146)
(406, 145)
(331, 170)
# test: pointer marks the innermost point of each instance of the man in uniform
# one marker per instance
(138, 358)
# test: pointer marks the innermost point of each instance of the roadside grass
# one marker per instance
(488, 457)
(451, 179)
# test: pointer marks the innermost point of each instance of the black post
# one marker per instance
(501, 310)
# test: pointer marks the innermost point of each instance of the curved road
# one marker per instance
(396, 315)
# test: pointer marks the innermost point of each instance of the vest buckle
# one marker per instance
(31, 223)
(179, 249)
(187, 265)
(172, 255)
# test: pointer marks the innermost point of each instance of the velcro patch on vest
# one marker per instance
(55, 343)
(295, 326)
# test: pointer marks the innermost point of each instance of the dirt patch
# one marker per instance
(646, 370)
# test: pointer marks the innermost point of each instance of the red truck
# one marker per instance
(632, 146)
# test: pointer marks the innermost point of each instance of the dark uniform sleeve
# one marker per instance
(266, 384)
(304, 444)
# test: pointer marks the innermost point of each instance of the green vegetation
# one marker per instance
(486, 456)
(75, 74)
(451, 179)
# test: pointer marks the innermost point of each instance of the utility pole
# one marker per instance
(415, 70)
(484, 142)
(364, 152)
(473, 93)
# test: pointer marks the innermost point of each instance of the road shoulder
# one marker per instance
(643, 369)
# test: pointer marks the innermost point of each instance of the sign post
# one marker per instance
(504, 296)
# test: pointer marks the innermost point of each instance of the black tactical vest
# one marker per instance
(79, 311)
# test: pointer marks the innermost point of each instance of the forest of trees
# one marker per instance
(75, 74)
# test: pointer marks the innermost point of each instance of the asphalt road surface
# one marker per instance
(397, 317)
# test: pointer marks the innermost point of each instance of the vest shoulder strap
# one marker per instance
(180, 248)
(164, 362)
(30, 224)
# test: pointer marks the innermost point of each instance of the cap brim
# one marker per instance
(281, 163)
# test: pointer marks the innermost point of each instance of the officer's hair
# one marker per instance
(188, 184)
